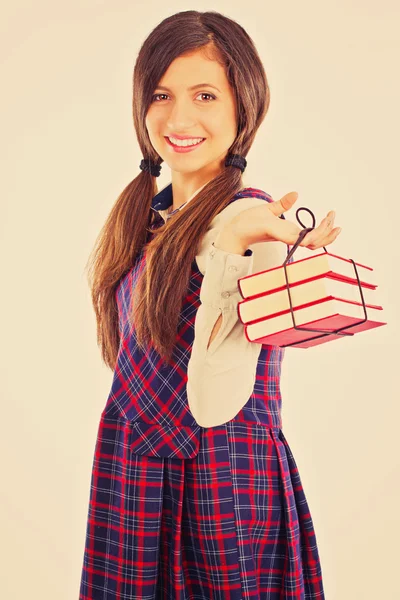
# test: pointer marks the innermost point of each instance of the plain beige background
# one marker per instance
(69, 148)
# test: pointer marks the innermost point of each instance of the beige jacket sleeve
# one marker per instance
(221, 377)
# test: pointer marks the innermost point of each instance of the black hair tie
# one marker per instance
(148, 165)
(236, 160)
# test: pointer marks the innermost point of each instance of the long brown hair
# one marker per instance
(163, 282)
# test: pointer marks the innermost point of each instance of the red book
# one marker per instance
(330, 314)
(303, 293)
(305, 269)
(324, 296)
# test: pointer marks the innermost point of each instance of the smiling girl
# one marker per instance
(195, 492)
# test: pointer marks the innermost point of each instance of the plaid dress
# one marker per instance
(182, 512)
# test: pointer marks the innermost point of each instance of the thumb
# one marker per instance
(285, 203)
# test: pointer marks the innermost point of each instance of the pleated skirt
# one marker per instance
(232, 523)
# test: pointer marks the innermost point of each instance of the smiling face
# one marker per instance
(205, 111)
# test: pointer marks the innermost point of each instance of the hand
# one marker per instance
(262, 224)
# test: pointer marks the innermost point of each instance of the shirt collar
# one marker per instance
(164, 199)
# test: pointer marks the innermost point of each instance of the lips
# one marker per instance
(184, 148)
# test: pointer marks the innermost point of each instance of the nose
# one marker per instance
(181, 116)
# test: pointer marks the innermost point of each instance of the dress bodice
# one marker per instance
(151, 396)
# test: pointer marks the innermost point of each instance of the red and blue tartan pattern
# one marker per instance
(181, 512)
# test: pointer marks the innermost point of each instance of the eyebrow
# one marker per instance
(194, 87)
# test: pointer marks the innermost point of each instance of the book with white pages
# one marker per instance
(302, 293)
(328, 315)
(310, 267)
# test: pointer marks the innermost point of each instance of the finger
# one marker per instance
(313, 244)
(325, 227)
(285, 203)
(330, 238)
(314, 238)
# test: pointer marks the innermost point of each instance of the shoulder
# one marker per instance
(253, 192)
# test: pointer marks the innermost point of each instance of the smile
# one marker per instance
(189, 145)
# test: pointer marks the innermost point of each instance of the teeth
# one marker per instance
(188, 142)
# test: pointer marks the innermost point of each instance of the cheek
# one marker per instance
(153, 121)
(149, 124)
(223, 123)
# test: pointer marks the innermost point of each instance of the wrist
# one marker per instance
(228, 241)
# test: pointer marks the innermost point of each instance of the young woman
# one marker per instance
(194, 491)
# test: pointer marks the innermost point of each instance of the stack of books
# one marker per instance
(325, 296)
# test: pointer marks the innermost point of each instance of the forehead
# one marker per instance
(191, 69)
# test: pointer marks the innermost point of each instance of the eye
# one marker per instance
(207, 94)
(156, 96)
(153, 98)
